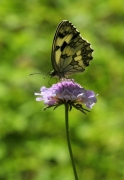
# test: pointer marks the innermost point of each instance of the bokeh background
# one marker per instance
(33, 142)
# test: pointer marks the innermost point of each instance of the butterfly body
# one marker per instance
(70, 52)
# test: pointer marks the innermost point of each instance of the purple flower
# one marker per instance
(67, 91)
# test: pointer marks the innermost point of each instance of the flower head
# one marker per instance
(67, 91)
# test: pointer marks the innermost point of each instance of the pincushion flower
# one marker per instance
(67, 92)
(71, 94)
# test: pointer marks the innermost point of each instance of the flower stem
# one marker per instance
(68, 141)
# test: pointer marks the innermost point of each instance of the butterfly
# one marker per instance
(70, 52)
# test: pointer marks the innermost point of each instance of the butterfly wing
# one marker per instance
(70, 52)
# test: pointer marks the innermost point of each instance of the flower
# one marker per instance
(67, 91)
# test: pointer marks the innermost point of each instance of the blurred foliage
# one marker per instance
(32, 142)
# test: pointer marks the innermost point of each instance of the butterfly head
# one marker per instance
(57, 75)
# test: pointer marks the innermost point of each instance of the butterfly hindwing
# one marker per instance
(70, 52)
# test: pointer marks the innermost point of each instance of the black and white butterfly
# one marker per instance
(70, 52)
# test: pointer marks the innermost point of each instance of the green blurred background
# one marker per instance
(33, 142)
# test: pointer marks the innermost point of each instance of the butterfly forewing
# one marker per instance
(70, 52)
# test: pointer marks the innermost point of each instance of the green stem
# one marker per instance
(68, 141)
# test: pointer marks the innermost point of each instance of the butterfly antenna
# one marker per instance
(38, 73)
(34, 73)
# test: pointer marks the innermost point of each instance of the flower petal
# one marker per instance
(66, 91)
